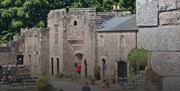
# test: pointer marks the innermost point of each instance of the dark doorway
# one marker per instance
(103, 67)
(122, 70)
(20, 59)
(57, 65)
(52, 66)
(85, 68)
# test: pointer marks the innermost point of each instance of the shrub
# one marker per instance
(43, 84)
(154, 77)
(60, 75)
(97, 69)
(137, 57)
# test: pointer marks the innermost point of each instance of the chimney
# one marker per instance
(116, 10)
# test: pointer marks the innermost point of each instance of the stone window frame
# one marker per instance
(121, 41)
(101, 43)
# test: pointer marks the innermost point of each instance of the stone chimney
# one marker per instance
(118, 12)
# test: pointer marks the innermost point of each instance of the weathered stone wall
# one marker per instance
(6, 56)
(74, 31)
(112, 49)
(36, 50)
(159, 33)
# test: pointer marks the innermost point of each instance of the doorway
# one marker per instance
(57, 65)
(85, 68)
(103, 68)
(122, 70)
(52, 66)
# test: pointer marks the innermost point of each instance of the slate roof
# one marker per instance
(5, 49)
(119, 24)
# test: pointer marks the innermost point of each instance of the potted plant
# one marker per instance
(97, 75)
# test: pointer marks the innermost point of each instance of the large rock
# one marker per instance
(165, 5)
(169, 18)
(164, 38)
(147, 12)
(166, 63)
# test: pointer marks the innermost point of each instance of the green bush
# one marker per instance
(137, 57)
(43, 84)
(97, 70)
(60, 75)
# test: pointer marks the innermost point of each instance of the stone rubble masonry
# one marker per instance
(169, 5)
(170, 18)
(164, 38)
(147, 12)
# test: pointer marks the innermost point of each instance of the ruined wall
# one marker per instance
(69, 30)
(112, 48)
(6, 56)
(158, 22)
(36, 50)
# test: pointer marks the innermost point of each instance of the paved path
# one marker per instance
(67, 86)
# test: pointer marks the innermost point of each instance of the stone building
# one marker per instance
(36, 50)
(115, 38)
(160, 34)
(72, 39)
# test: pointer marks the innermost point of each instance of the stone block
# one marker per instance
(169, 18)
(147, 12)
(166, 5)
(171, 83)
(166, 63)
(164, 38)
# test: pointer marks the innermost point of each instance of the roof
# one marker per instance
(119, 24)
(5, 49)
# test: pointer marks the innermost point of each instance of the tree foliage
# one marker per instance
(17, 14)
(138, 57)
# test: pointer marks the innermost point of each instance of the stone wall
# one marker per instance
(6, 56)
(112, 49)
(75, 34)
(36, 50)
(159, 33)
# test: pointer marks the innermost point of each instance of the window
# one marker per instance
(56, 37)
(56, 27)
(122, 42)
(75, 23)
(101, 42)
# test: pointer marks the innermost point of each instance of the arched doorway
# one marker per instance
(122, 70)
(85, 68)
(103, 68)
(57, 65)
(79, 56)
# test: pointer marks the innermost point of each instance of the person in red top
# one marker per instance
(78, 69)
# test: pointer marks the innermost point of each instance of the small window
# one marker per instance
(75, 23)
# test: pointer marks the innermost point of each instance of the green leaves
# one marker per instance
(16, 23)
(5, 2)
(138, 56)
(17, 14)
